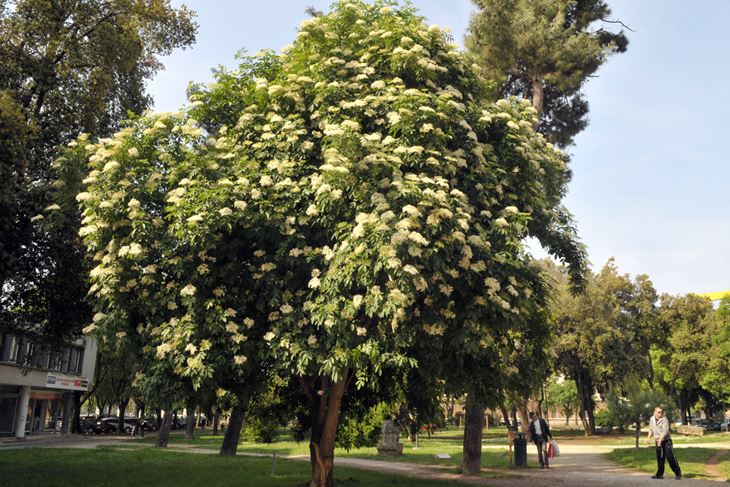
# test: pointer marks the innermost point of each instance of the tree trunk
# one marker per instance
(591, 419)
(233, 430)
(158, 422)
(585, 393)
(190, 419)
(505, 414)
(163, 434)
(524, 417)
(120, 418)
(514, 417)
(638, 432)
(471, 461)
(650, 368)
(216, 421)
(76, 423)
(537, 96)
(325, 413)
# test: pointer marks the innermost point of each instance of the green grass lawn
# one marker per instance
(691, 460)
(425, 453)
(50, 467)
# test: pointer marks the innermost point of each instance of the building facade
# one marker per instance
(37, 384)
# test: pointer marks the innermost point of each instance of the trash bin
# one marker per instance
(520, 444)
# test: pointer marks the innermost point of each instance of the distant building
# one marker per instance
(716, 297)
(37, 384)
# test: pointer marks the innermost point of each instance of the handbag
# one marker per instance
(555, 448)
(550, 450)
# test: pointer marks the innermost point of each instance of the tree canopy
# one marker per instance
(65, 68)
(323, 209)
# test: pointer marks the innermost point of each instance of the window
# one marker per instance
(14, 350)
(54, 361)
(64, 359)
(6, 349)
(73, 360)
(80, 362)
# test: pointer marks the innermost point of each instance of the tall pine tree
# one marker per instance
(545, 51)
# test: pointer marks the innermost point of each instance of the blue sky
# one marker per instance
(651, 172)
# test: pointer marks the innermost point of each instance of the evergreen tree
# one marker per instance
(545, 51)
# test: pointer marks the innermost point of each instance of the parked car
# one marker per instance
(149, 424)
(109, 425)
(89, 427)
(725, 425)
(709, 424)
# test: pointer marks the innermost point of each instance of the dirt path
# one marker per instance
(577, 466)
(712, 468)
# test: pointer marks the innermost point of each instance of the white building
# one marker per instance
(37, 385)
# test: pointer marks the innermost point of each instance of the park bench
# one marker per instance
(687, 429)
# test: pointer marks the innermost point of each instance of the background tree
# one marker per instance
(66, 68)
(604, 335)
(563, 395)
(688, 329)
(633, 405)
(716, 372)
(545, 51)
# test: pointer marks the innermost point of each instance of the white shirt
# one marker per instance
(538, 430)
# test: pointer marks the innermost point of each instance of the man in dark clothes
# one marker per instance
(540, 434)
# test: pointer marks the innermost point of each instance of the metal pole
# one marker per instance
(273, 464)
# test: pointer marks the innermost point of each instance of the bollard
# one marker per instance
(273, 464)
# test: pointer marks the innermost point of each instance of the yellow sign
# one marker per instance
(717, 295)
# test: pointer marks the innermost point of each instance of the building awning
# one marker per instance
(716, 296)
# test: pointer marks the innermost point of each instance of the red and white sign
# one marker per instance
(69, 382)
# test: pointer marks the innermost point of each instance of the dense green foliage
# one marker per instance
(604, 335)
(65, 68)
(692, 358)
(633, 405)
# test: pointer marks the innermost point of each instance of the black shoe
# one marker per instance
(678, 477)
(657, 476)
(542, 466)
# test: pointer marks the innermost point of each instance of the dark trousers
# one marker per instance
(542, 455)
(665, 451)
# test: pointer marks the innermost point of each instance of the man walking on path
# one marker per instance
(540, 434)
(659, 429)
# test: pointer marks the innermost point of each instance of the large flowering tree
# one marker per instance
(324, 210)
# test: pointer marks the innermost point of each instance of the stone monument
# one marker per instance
(389, 444)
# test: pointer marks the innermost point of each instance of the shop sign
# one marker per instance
(70, 382)
(45, 395)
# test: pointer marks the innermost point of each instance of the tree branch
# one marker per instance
(610, 21)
